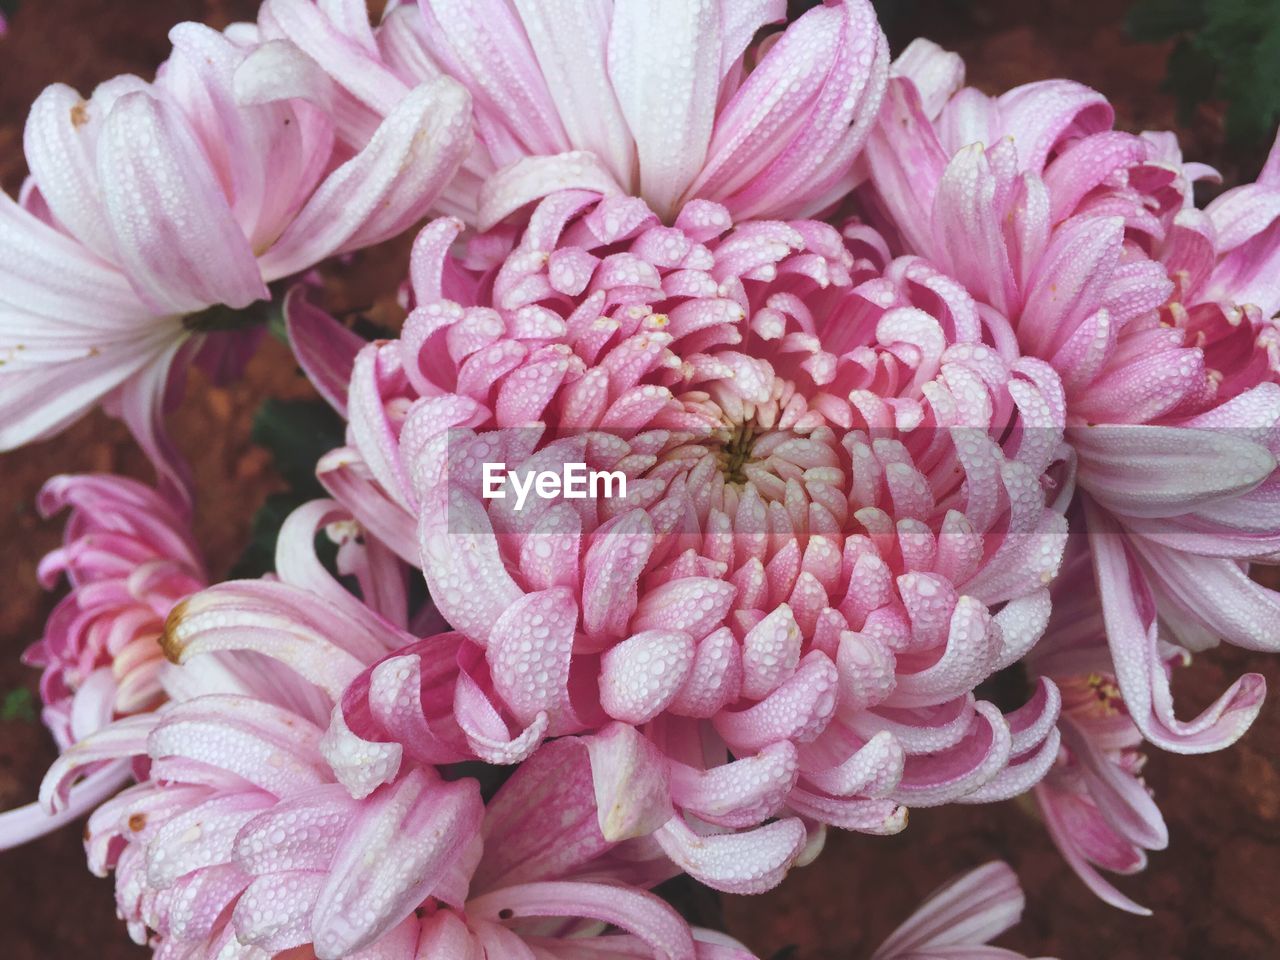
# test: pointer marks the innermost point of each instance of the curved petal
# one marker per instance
(532, 178)
(636, 911)
(970, 910)
(58, 142)
(173, 228)
(392, 855)
(326, 350)
(387, 187)
(1155, 471)
(1129, 612)
(23, 824)
(1062, 838)
(750, 861)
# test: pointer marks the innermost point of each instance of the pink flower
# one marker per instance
(255, 833)
(154, 211)
(1094, 802)
(244, 840)
(960, 919)
(1084, 248)
(835, 526)
(667, 102)
(129, 558)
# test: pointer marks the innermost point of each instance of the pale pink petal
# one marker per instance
(664, 63)
(58, 141)
(174, 232)
(906, 163)
(267, 618)
(489, 52)
(742, 793)
(1154, 471)
(751, 861)
(384, 189)
(1066, 843)
(529, 652)
(23, 824)
(936, 73)
(1215, 592)
(391, 856)
(630, 781)
(532, 178)
(640, 913)
(1131, 632)
(568, 38)
(970, 910)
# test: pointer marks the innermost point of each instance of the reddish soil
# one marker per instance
(1212, 891)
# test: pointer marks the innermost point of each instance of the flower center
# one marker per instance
(735, 452)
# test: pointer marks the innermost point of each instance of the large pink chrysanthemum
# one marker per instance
(835, 527)
(154, 210)
(1083, 245)
(669, 102)
(129, 558)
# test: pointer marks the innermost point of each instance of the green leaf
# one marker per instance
(297, 433)
(1241, 36)
(1154, 20)
(1226, 51)
(277, 327)
(1191, 73)
(18, 705)
(221, 317)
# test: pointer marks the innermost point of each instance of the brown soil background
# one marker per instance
(1213, 891)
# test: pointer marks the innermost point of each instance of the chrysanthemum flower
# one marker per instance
(128, 557)
(248, 840)
(669, 102)
(1083, 246)
(836, 523)
(154, 211)
(255, 834)
(1096, 806)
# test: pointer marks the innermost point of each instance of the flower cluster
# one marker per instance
(901, 389)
